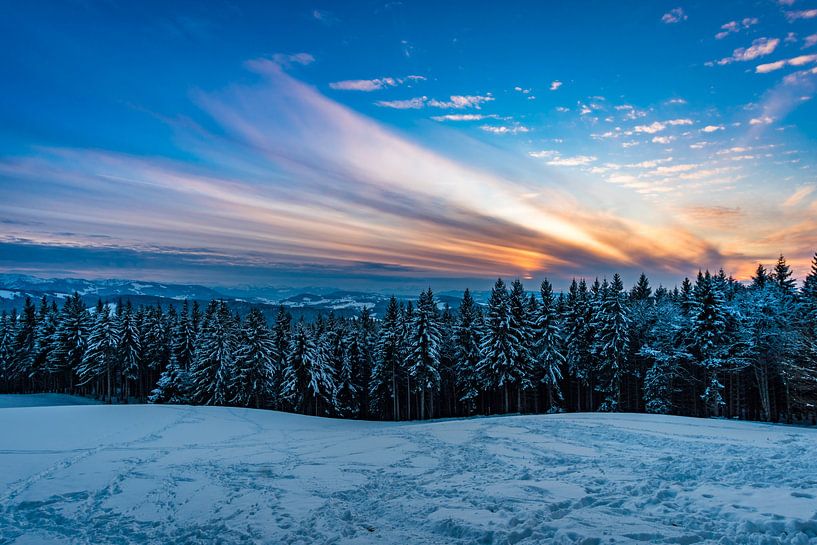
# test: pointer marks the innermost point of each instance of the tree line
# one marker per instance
(710, 347)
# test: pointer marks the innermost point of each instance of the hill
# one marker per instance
(162, 474)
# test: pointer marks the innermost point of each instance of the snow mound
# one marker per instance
(173, 474)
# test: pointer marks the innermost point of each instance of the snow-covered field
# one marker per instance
(173, 474)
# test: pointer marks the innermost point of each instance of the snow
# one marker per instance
(162, 474)
(8, 294)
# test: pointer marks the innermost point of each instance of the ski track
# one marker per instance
(165, 474)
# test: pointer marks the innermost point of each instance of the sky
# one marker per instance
(388, 143)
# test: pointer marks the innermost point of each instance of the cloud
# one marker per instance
(735, 27)
(809, 41)
(456, 102)
(576, 160)
(759, 48)
(543, 154)
(521, 90)
(652, 128)
(287, 59)
(368, 85)
(802, 14)
(712, 128)
(799, 194)
(408, 104)
(505, 129)
(462, 117)
(763, 120)
(555, 84)
(461, 101)
(289, 179)
(675, 15)
(794, 61)
(662, 139)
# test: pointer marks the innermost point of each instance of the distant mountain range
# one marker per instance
(306, 302)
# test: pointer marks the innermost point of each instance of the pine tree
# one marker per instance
(130, 348)
(387, 368)
(467, 334)
(499, 345)
(782, 276)
(25, 342)
(577, 317)
(7, 334)
(184, 340)
(255, 361)
(424, 342)
(641, 291)
(611, 342)
(100, 358)
(550, 355)
(709, 323)
(308, 379)
(212, 372)
(69, 340)
(761, 277)
(521, 327)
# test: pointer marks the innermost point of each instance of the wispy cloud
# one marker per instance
(675, 15)
(713, 128)
(463, 117)
(455, 102)
(555, 84)
(759, 48)
(799, 194)
(505, 129)
(368, 85)
(407, 104)
(364, 194)
(733, 27)
(777, 65)
(801, 14)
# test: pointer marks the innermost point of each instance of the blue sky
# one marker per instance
(388, 142)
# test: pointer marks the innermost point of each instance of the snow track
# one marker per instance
(169, 474)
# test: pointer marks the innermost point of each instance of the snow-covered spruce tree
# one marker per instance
(6, 351)
(281, 337)
(100, 361)
(130, 349)
(68, 341)
(364, 326)
(521, 327)
(387, 367)
(664, 350)
(577, 338)
(467, 334)
(25, 342)
(347, 394)
(499, 345)
(612, 341)
(184, 340)
(709, 342)
(155, 345)
(642, 311)
(424, 343)
(212, 372)
(255, 360)
(47, 316)
(308, 379)
(782, 276)
(761, 277)
(549, 350)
